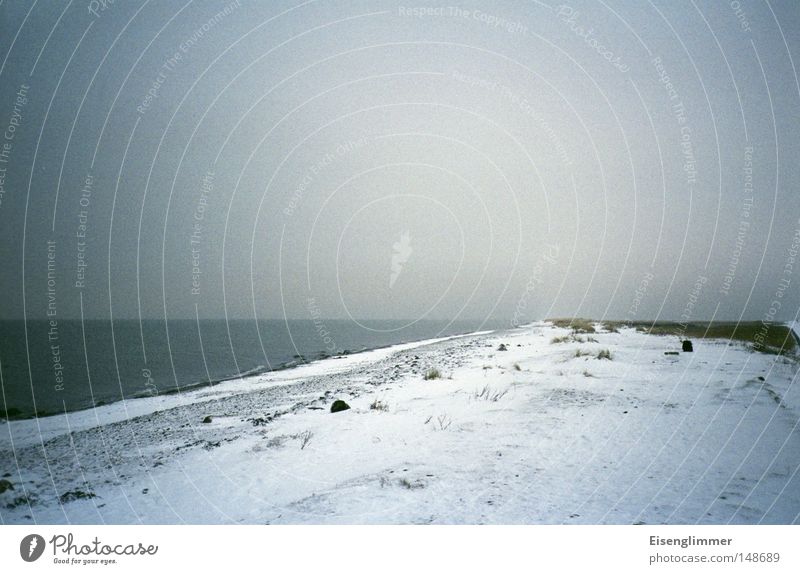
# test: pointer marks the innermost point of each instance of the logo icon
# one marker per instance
(31, 548)
(402, 251)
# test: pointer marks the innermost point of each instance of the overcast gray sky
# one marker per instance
(506, 160)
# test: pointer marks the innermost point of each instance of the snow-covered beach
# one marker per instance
(531, 425)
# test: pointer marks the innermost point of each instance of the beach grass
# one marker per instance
(771, 338)
(577, 325)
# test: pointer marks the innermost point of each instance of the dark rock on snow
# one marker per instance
(75, 495)
(338, 406)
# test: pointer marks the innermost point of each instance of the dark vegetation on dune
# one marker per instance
(577, 325)
(764, 337)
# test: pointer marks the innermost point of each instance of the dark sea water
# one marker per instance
(75, 366)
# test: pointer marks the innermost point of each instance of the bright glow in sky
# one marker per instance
(512, 160)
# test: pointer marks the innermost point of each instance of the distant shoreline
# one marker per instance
(284, 368)
(775, 338)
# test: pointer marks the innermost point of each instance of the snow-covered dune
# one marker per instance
(516, 429)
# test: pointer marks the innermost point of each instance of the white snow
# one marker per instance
(33, 431)
(534, 434)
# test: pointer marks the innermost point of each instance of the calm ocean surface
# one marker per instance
(57, 371)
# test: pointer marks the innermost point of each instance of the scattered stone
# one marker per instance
(687, 346)
(502, 347)
(20, 501)
(671, 353)
(339, 405)
(75, 495)
(5, 485)
(207, 420)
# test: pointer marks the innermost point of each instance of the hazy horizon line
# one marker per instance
(411, 321)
